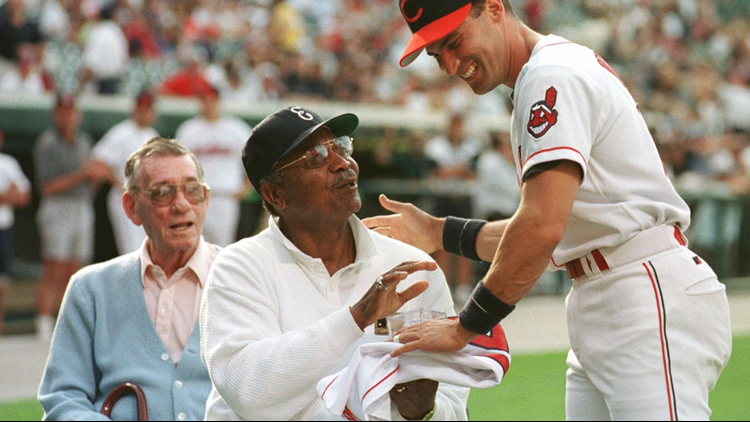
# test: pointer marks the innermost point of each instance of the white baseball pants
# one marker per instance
(649, 337)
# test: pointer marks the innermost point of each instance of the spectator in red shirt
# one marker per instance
(190, 81)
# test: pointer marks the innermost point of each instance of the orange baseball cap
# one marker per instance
(429, 21)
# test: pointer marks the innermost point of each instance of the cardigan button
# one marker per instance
(165, 357)
(182, 416)
(178, 384)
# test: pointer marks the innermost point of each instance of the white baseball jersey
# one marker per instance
(362, 389)
(570, 105)
(218, 146)
(114, 149)
(633, 329)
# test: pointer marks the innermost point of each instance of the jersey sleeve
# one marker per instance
(556, 117)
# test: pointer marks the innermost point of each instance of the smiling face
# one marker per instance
(174, 228)
(329, 192)
(477, 50)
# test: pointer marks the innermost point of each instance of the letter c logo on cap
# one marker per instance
(412, 19)
(301, 113)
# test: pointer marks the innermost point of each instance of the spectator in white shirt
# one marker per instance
(239, 85)
(106, 54)
(26, 77)
(15, 192)
(288, 307)
(111, 153)
(497, 195)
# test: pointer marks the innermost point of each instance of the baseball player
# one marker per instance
(111, 152)
(648, 321)
(217, 141)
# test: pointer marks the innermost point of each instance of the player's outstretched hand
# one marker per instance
(443, 335)
(384, 299)
(409, 224)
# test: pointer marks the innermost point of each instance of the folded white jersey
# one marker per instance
(361, 390)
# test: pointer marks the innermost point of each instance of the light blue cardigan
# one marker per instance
(104, 338)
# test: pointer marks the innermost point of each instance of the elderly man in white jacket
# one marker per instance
(288, 307)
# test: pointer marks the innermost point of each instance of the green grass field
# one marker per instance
(534, 389)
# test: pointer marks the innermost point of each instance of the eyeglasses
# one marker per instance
(165, 194)
(318, 155)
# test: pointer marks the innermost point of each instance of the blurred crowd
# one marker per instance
(687, 62)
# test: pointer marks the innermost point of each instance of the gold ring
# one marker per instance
(401, 389)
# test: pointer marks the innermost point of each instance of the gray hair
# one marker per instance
(276, 178)
(158, 147)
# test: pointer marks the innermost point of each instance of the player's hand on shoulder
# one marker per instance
(409, 224)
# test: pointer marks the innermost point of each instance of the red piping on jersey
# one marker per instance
(329, 386)
(379, 382)
(553, 149)
(661, 337)
(557, 43)
(678, 236)
(555, 263)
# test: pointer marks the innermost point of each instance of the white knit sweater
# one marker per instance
(273, 323)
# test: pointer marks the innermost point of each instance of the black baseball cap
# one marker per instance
(279, 134)
(429, 21)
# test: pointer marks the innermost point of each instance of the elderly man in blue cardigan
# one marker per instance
(134, 319)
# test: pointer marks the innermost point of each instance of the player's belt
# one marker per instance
(576, 266)
(647, 243)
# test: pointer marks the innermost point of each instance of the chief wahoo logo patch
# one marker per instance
(543, 115)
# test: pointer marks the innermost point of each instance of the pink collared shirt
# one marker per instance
(174, 304)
